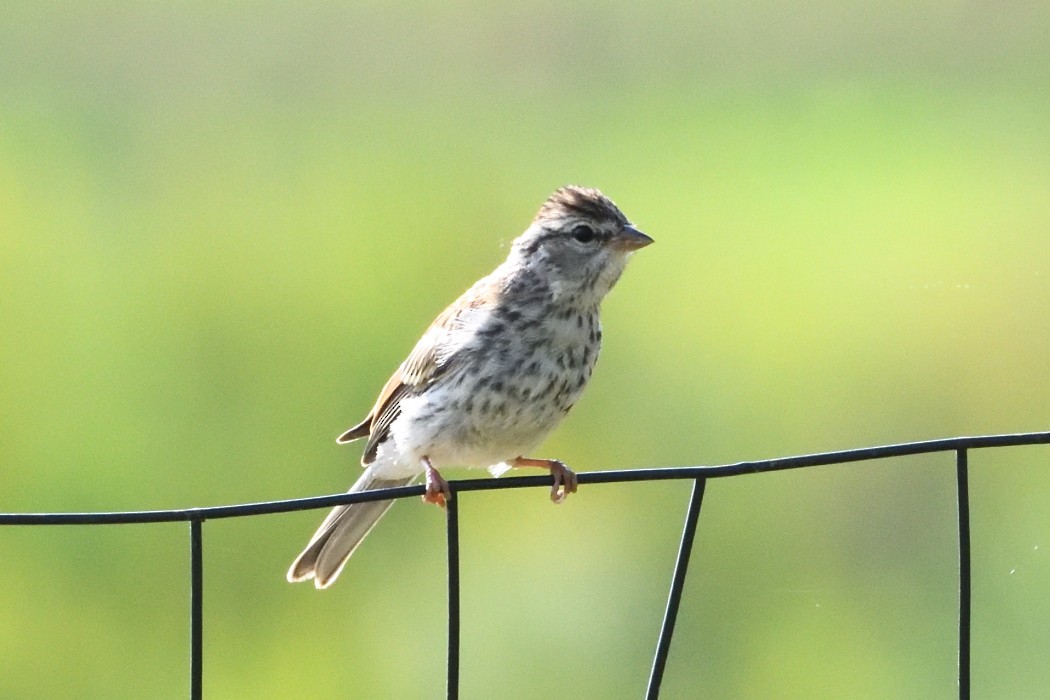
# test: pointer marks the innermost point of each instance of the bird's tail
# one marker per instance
(341, 532)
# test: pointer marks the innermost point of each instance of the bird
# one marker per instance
(493, 375)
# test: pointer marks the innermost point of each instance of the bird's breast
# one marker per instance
(506, 391)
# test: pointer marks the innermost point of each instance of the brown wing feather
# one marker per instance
(423, 365)
(387, 408)
(358, 431)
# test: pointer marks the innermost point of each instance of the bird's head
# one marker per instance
(579, 242)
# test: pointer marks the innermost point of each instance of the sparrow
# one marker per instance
(494, 374)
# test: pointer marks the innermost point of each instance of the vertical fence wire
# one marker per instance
(452, 521)
(674, 596)
(962, 482)
(196, 611)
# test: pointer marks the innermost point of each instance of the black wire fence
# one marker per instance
(698, 475)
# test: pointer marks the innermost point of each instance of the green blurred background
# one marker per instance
(222, 226)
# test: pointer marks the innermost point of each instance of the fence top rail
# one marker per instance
(600, 477)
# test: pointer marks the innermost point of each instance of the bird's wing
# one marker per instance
(433, 355)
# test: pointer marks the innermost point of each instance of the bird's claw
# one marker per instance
(565, 481)
(437, 488)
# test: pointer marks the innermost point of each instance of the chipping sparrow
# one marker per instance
(493, 375)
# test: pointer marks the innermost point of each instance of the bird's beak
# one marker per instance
(630, 239)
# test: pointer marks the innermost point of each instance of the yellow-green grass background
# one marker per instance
(222, 226)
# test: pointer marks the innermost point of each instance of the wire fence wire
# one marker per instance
(699, 476)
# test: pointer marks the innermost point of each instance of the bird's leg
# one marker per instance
(437, 491)
(565, 481)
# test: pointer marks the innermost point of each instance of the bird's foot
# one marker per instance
(565, 480)
(438, 491)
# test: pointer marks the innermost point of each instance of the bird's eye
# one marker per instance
(583, 233)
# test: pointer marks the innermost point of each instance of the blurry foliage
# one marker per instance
(221, 227)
